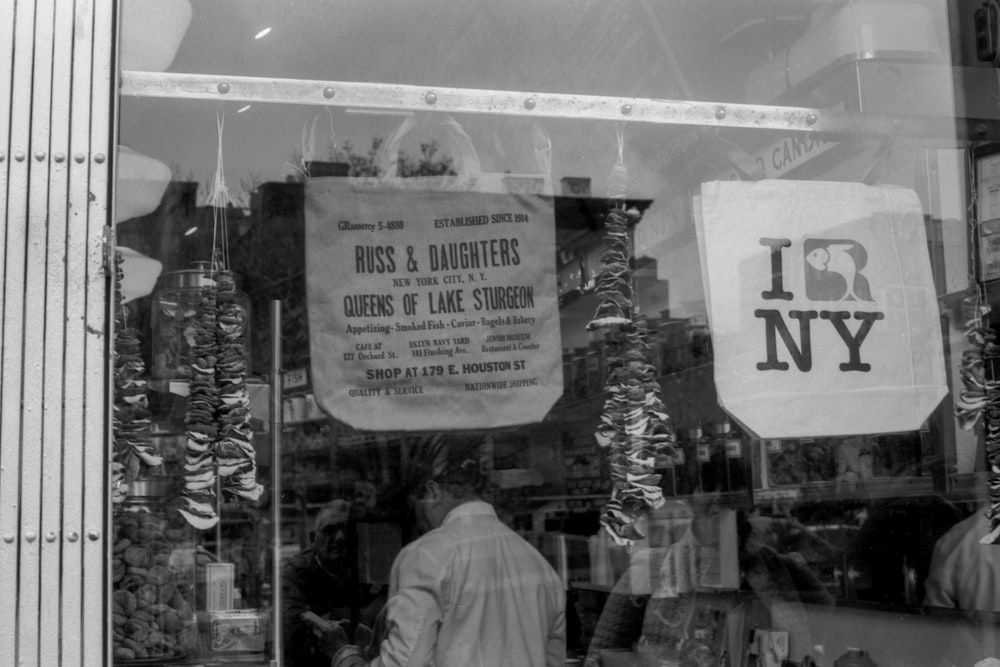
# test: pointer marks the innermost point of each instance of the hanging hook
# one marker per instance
(218, 197)
(219, 200)
(618, 179)
(333, 135)
(620, 135)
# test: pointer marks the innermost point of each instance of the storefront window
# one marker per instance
(688, 285)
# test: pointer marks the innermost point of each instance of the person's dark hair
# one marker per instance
(451, 461)
(462, 478)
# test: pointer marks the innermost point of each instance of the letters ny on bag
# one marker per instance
(822, 307)
(833, 272)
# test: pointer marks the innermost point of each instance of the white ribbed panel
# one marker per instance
(54, 357)
(13, 207)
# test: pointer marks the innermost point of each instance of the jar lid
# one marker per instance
(188, 278)
(197, 276)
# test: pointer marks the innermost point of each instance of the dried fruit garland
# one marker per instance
(234, 450)
(219, 430)
(979, 402)
(218, 420)
(634, 425)
(203, 398)
(132, 443)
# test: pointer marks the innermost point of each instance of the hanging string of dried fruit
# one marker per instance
(978, 404)
(219, 427)
(132, 450)
(634, 424)
(234, 451)
(199, 498)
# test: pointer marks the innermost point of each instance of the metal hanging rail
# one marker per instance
(410, 98)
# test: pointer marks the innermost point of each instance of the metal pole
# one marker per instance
(218, 513)
(277, 420)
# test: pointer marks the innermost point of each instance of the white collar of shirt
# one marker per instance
(469, 508)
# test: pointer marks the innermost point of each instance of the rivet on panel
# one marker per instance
(329, 92)
(73, 536)
(30, 536)
(39, 155)
(720, 113)
(98, 158)
(59, 157)
(50, 536)
(19, 156)
(223, 87)
(529, 103)
(8, 538)
(430, 97)
(626, 109)
(93, 535)
(811, 119)
(79, 157)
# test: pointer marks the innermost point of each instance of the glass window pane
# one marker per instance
(596, 250)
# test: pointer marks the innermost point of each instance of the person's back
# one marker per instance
(470, 592)
(499, 601)
(964, 574)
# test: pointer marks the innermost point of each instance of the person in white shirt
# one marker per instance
(470, 592)
(964, 574)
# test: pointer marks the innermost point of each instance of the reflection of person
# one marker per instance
(316, 584)
(892, 550)
(964, 574)
(469, 591)
(655, 605)
(772, 575)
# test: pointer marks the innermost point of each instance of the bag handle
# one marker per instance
(465, 156)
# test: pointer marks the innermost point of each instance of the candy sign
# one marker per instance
(822, 307)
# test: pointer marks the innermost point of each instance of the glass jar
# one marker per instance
(717, 467)
(733, 447)
(175, 307)
(152, 579)
(708, 478)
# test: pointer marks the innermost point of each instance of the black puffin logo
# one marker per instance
(833, 270)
